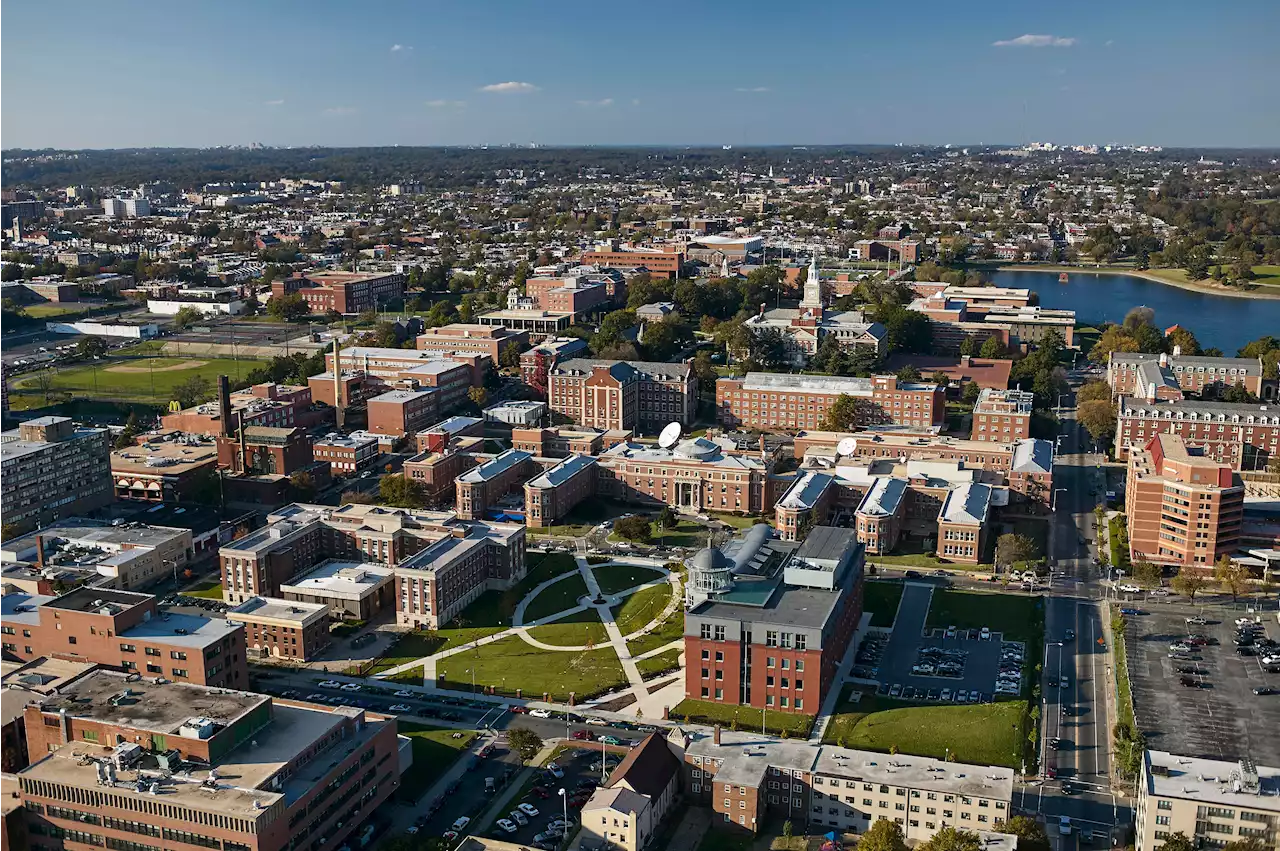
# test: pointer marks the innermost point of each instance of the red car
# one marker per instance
(1050, 772)
(520, 710)
(485, 751)
(540, 792)
(582, 735)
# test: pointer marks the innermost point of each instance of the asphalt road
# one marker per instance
(1079, 714)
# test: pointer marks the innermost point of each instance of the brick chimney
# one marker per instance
(715, 735)
(224, 405)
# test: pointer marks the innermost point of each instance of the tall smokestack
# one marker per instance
(224, 405)
(337, 383)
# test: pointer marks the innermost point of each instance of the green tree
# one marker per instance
(131, 430)
(664, 340)
(186, 317)
(1189, 582)
(667, 518)
(478, 396)
(287, 307)
(910, 372)
(1147, 574)
(842, 414)
(883, 835)
(1185, 340)
(524, 742)
(1232, 576)
(193, 391)
(634, 528)
(1113, 339)
(951, 839)
(400, 491)
(991, 348)
(972, 390)
(940, 378)
(1092, 391)
(1031, 834)
(91, 347)
(969, 346)
(1013, 548)
(509, 356)
(1178, 842)
(1098, 417)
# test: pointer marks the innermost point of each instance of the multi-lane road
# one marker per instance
(1078, 698)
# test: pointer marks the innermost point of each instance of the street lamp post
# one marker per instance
(1053, 506)
(1061, 396)
(564, 799)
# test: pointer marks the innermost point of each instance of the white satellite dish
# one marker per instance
(846, 446)
(670, 434)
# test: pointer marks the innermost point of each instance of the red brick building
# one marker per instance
(773, 401)
(437, 470)
(1002, 416)
(772, 638)
(259, 450)
(283, 629)
(666, 262)
(271, 405)
(127, 631)
(472, 338)
(345, 292)
(1246, 435)
(1146, 375)
(399, 412)
(138, 764)
(623, 395)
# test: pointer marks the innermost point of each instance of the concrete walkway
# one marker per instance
(832, 700)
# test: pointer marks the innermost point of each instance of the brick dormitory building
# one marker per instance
(633, 395)
(1244, 435)
(344, 292)
(772, 401)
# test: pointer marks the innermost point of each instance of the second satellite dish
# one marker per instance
(846, 446)
(670, 434)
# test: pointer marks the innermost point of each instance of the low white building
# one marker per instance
(134, 331)
(516, 413)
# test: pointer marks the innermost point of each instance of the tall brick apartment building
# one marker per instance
(1182, 507)
(620, 395)
(345, 292)
(767, 623)
(1002, 415)
(127, 631)
(135, 765)
(472, 338)
(772, 401)
(1246, 436)
(52, 469)
(1153, 377)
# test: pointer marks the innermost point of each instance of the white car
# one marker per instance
(507, 826)
(1130, 589)
(401, 707)
(404, 693)
(330, 684)
(518, 817)
(1064, 825)
(1159, 592)
(598, 722)
(461, 823)
(540, 713)
(985, 634)
(350, 687)
(530, 810)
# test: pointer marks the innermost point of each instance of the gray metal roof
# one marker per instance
(968, 503)
(495, 467)
(826, 543)
(884, 497)
(806, 490)
(1186, 409)
(1032, 456)
(563, 471)
(647, 370)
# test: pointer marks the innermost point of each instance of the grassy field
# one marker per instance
(1264, 276)
(671, 629)
(1118, 541)
(984, 734)
(415, 645)
(613, 578)
(925, 561)
(206, 590)
(1017, 617)
(668, 660)
(495, 608)
(585, 515)
(881, 599)
(556, 598)
(153, 380)
(745, 717)
(511, 664)
(577, 629)
(641, 607)
(734, 520)
(52, 311)
(434, 751)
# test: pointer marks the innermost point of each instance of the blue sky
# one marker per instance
(125, 73)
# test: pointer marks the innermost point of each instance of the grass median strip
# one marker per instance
(743, 717)
(434, 750)
(882, 599)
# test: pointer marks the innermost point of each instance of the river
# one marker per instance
(1216, 320)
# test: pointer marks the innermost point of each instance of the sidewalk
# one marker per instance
(832, 699)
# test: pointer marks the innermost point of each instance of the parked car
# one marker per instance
(507, 826)
(400, 707)
(985, 634)
(540, 713)
(518, 817)
(530, 810)
(461, 824)
(330, 684)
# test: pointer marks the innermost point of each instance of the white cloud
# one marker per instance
(444, 104)
(511, 87)
(1108, 43)
(1036, 41)
(601, 102)
(753, 89)
(339, 110)
(277, 102)
(635, 101)
(397, 48)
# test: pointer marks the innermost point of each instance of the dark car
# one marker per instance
(1264, 690)
(1188, 682)
(1246, 651)
(1130, 611)
(912, 574)
(1054, 743)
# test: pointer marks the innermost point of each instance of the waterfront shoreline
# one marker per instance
(1138, 273)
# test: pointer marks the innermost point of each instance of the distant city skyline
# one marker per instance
(135, 74)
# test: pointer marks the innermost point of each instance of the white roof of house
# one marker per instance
(967, 504)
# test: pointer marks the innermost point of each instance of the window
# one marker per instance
(177, 654)
(128, 648)
(152, 651)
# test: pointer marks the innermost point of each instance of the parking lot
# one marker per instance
(1198, 698)
(942, 664)
(535, 817)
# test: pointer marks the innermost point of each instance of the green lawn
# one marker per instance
(207, 590)
(1019, 618)
(556, 598)
(1118, 541)
(511, 663)
(613, 578)
(668, 660)
(415, 645)
(641, 607)
(683, 534)
(881, 599)
(434, 751)
(577, 629)
(494, 608)
(735, 520)
(925, 561)
(746, 717)
(153, 381)
(51, 311)
(983, 734)
(583, 516)
(671, 629)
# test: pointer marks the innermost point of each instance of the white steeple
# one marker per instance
(812, 287)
